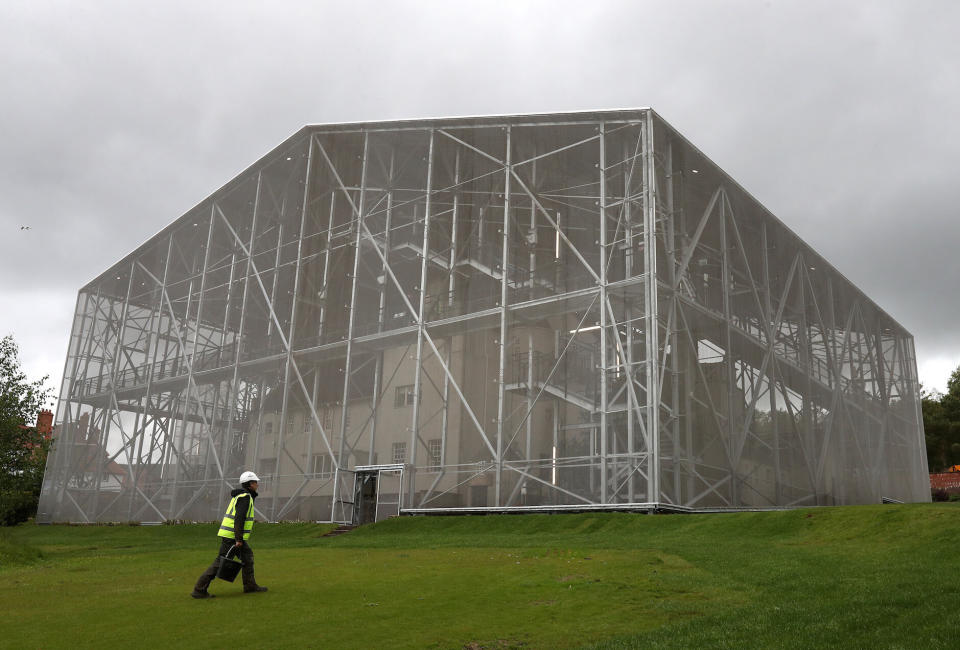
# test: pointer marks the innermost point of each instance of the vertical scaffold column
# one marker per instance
(156, 317)
(650, 313)
(677, 450)
(263, 385)
(421, 312)
(728, 362)
(628, 313)
(771, 367)
(189, 357)
(58, 465)
(108, 415)
(291, 332)
(238, 341)
(381, 311)
(504, 264)
(358, 216)
(603, 313)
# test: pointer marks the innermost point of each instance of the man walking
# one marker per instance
(234, 532)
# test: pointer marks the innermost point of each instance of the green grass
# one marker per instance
(860, 577)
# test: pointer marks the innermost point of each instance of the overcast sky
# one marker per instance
(841, 117)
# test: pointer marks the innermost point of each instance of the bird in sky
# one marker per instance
(24, 227)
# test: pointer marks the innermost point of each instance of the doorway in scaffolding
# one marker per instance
(368, 493)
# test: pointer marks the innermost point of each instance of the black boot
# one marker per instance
(201, 594)
(254, 590)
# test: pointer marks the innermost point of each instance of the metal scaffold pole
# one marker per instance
(502, 341)
(651, 326)
(357, 218)
(421, 327)
(604, 432)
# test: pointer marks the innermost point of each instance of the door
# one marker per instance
(365, 497)
(377, 493)
(389, 493)
(343, 496)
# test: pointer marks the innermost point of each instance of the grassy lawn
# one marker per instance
(864, 577)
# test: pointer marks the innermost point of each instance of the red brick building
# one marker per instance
(44, 425)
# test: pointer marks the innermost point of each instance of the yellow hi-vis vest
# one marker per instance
(226, 526)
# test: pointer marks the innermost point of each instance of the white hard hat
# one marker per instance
(248, 476)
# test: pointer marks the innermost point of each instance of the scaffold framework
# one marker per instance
(537, 312)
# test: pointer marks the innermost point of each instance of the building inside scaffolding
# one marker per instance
(536, 312)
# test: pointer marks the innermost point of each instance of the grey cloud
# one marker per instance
(840, 117)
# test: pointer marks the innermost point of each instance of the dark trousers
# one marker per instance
(246, 554)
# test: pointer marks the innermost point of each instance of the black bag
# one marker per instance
(230, 565)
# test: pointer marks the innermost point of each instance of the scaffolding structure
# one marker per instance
(558, 311)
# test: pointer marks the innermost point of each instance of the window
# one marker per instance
(326, 417)
(321, 464)
(399, 453)
(434, 450)
(268, 427)
(403, 396)
(268, 467)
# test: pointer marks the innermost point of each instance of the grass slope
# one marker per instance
(872, 576)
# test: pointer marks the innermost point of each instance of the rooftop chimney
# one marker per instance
(45, 422)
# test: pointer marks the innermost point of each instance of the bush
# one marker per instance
(16, 507)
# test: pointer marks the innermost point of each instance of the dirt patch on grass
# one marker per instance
(571, 578)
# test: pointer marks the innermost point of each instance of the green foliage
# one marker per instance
(23, 450)
(941, 424)
(788, 579)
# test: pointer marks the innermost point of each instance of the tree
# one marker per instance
(23, 450)
(941, 424)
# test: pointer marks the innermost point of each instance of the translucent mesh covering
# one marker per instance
(529, 312)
